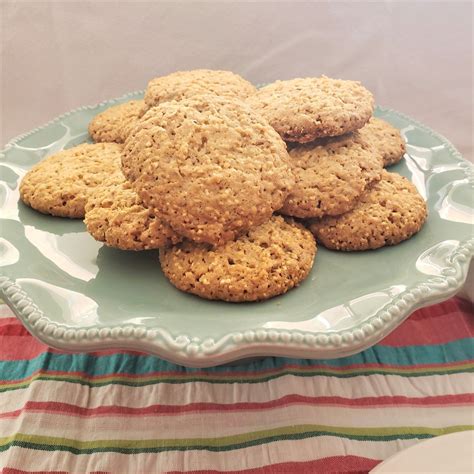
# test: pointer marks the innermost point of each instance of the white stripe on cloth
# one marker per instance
(220, 424)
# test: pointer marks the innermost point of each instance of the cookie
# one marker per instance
(112, 124)
(61, 184)
(386, 140)
(267, 261)
(114, 214)
(331, 174)
(391, 211)
(301, 110)
(209, 166)
(185, 84)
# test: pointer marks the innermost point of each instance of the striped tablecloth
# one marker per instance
(117, 411)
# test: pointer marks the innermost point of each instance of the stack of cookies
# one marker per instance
(233, 184)
(338, 152)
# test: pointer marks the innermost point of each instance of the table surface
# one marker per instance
(121, 411)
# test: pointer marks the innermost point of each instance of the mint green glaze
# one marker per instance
(73, 282)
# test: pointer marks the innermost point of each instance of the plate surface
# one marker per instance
(74, 293)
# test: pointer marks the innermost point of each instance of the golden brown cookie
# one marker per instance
(185, 84)
(331, 174)
(114, 214)
(112, 124)
(60, 184)
(267, 261)
(209, 166)
(301, 110)
(386, 140)
(391, 211)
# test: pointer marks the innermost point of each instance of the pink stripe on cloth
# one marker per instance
(438, 324)
(9, 470)
(335, 464)
(122, 411)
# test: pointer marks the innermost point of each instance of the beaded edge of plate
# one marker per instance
(189, 347)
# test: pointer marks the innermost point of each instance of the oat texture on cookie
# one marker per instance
(391, 211)
(185, 84)
(114, 214)
(112, 124)
(386, 140)
(304, 109)
(267, 261)
(60, 184)
(331, 174)
(209, 166)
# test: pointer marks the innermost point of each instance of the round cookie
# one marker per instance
(185, 84)
(112, 124)
(391, 211)
(301, 110)
(114, 214)
(267, 261)
(331, 174)
(385, 139)
(60, 184)
(209, 166)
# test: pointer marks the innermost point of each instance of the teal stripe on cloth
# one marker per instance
(407, 356)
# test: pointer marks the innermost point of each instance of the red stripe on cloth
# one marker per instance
(452, 305)
(334, 464)
(18, 348)
(438, 324)
(59, 408)
(12, 327)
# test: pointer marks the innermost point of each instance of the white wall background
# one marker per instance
(415, 56)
